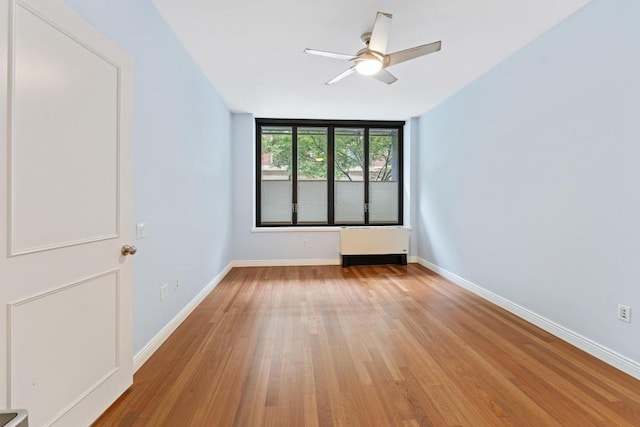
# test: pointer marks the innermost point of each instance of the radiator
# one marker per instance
(373, 245)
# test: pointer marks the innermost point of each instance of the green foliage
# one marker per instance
(349, 154)
(312, 155)
(279, 145)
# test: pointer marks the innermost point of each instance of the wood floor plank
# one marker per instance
(366, 346)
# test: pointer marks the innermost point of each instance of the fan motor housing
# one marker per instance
(365, 38)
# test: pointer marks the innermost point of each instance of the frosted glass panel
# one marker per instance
(275, 175)
(312, 202)
(349, 202)
(312, 175)
(383, 176)
(349, 177)
(383, 202)
(276, 202)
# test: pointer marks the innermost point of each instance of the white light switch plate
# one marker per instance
(141, 230)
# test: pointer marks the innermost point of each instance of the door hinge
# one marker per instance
(294, 207)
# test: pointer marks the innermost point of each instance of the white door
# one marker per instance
(66, 207)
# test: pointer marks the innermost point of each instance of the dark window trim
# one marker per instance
(330, 125)
(378, 124)
(294, 173)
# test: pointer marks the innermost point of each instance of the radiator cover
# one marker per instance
(357, 244)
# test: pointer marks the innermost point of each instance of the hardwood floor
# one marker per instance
(367, 346)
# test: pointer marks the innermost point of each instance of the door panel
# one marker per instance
(64, 169)
(75, 326)
(66, 203)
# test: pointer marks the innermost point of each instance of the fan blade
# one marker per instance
(380, 32)
(385, 77)
(341, 76)
(329, 54)
(414, 52)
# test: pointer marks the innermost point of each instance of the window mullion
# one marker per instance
(365, 172)
(294, 174)
(330, 175)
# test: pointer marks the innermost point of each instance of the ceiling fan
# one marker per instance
(373, 59)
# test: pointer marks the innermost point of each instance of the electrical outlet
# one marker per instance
(164, 291)
(177, 283)
(624, 313)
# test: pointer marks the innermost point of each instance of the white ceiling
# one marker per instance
(252, 50)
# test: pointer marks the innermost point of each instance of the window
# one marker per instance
(318, 173)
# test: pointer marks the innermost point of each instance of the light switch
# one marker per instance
(141, 230)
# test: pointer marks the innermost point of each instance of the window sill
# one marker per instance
(317, 229)
(293, 229)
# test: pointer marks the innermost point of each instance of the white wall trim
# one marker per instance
(295, 229)
(143, 355)
(603, 353)
(296, 262)
(330, 229)
(284, 262)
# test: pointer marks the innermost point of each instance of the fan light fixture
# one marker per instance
(368, 66)
(368, 63)
(374, 60)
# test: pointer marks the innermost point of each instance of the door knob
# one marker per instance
(128, 250)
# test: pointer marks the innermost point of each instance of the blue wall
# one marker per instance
(182, 163)
(529, 180)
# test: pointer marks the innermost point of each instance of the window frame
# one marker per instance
(330, 125)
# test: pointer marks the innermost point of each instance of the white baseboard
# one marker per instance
(294, 262)
(603, 353)
(284, 262)
(155, 343)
